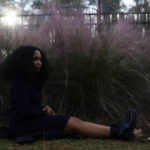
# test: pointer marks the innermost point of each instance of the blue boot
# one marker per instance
(124, 130)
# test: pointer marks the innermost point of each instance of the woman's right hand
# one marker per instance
(48, 110)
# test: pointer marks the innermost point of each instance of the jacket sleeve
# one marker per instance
(22, 96)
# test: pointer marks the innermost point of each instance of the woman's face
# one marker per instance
(37, 60)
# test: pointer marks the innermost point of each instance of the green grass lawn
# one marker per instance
(76, 144)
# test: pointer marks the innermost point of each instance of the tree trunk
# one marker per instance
(99, 6)
(99, 12)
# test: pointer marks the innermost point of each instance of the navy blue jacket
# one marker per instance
(26, 115)
(25, 103)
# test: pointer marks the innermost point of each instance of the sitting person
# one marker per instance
(27, 68)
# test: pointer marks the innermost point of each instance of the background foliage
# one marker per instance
(28, 6)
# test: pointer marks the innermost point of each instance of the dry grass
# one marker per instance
(76, 144)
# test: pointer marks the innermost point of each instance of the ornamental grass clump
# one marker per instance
(97, 75)
(91, 75)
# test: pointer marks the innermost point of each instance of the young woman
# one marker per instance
(27, 68)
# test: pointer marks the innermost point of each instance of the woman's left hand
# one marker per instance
(48, 110)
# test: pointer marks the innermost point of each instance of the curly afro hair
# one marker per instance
(19, 64)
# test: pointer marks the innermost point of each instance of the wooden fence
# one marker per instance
(93, 19)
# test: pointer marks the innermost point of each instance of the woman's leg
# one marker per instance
(123, 130)
(89, 129)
